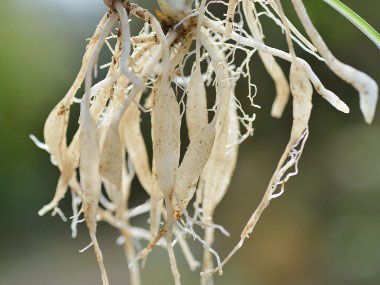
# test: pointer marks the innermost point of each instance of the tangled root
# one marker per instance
(153, 63)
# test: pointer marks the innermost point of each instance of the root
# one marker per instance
(293, 155)
(365, 85)
(109, 147)
(130, 253)
(99, 258)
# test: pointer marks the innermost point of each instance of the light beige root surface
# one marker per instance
(181, 70)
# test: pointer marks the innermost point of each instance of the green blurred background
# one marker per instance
(325, 229)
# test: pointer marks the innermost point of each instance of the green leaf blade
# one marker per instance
(358, 21)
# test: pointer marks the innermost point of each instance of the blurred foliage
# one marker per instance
(323, 230)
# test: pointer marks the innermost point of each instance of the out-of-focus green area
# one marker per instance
(325, 229)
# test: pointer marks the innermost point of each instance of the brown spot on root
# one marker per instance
(162, 232)
(62, 110)
(139, 12)
(177, 214)
(166, 22)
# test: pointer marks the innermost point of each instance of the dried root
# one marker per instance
(154, 62)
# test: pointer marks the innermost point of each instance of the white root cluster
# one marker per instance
(151, 66)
